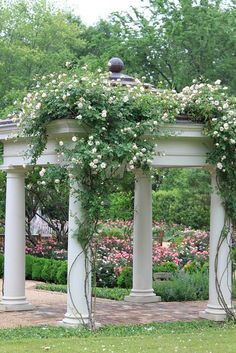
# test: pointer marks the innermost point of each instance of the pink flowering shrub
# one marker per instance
(194, 247)
(48, 248)
(114, 253)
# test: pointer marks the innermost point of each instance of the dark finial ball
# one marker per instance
(115, 65)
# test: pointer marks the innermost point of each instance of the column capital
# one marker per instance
(211, 169)
(139, 173)
(14, 169)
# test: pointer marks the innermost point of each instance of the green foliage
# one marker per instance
(196, 266)
(47, 270)
(47, 190)
(178, 42)
(37, 269)
(110, 232)
(120, 206)
(166, 267)
(50, 270)
(28, 45)
(183, 287)
(61, 276)
(29, 260)
(1, 265)
(125, 278)
(183, 198)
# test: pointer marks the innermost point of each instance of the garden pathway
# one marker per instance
(50, 308)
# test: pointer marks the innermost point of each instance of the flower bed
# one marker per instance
(114, 245)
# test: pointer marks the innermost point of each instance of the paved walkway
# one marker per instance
(50, 308)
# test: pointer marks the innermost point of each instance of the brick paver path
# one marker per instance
(50, 308)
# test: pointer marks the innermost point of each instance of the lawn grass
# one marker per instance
(194, 337)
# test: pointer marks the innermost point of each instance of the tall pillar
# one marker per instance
(215, 310)
(142, 291)
(79, 272)
(14, 257)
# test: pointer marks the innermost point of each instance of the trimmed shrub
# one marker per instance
(166, 267)
(37, 269)
(125, 278)
(183, 287)
(29, 260)
(61, 276)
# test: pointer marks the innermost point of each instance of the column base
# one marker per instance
(74, 321)
(142, 296)
(213, 313)
(15, 304)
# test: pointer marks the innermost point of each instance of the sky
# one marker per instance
(90, 11)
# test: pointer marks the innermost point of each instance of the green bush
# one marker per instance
(37, 269)
(61, 276)
(183, 287)
(120, 206)
(1, 265)
(29, 260)
(166, 267)
(49, 270)
(112, 232)
(125, 278)
(184, 198)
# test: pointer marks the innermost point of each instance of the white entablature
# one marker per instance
(186, 146)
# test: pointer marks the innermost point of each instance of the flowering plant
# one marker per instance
(118, 122)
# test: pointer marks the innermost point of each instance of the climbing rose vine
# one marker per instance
(120, 126)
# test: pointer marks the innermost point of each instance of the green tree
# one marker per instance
(35, 39)
(173, 42)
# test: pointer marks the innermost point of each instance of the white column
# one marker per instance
(215, 311)
(14, 258)
(142, 291)
(79, 272)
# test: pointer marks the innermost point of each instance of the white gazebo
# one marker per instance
(186, 146)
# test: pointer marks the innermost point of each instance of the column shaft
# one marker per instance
(14, 257)
(79, 272)
(142, 249)
(215, 310)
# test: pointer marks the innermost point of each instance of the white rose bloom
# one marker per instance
(125, 99)
(42, 172)
(57, 181)
(80, 105)
(103, 165)
(232, 141)
(79, 117)
(226, 126)
(74, 139)
(38, 106)
(61, 143)
(43, 182)
(95, 161)
(44, 95)
(219, 165)
(104, 113)
(94, 150)
(217, 82)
